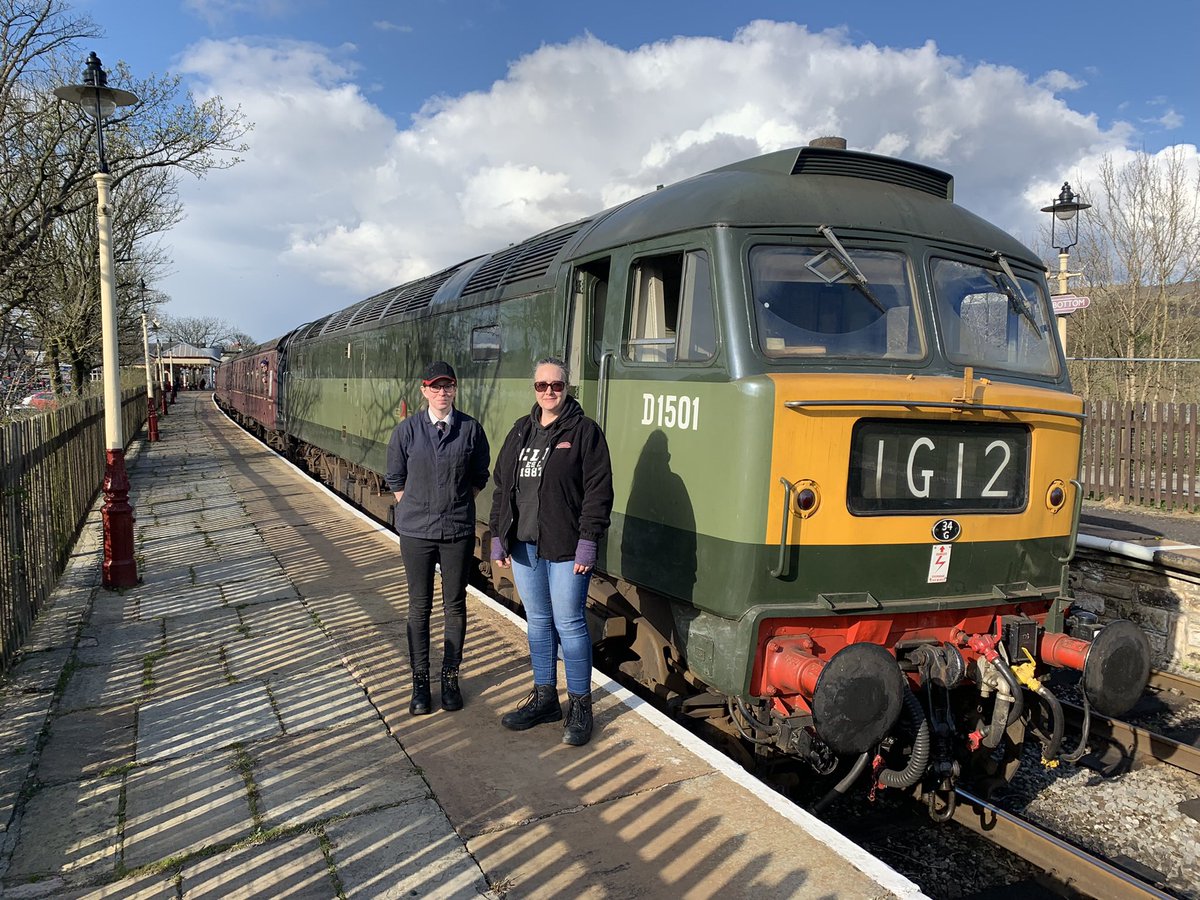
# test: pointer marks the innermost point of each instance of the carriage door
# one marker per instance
(585, 331)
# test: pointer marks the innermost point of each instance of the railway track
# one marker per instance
(1118, 745)
(1072, 868)
(1170, 682)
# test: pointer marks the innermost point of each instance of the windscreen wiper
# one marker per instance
(1011, 287)
(860, 280)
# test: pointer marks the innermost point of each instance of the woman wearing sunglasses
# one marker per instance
(437, 461)
(553, 496)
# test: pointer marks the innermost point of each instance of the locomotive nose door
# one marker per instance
(585, 331)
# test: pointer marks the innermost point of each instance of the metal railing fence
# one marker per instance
(51, 468)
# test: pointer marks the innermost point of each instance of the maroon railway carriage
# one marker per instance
(247, 386)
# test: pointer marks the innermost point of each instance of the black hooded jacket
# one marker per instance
(575, 497)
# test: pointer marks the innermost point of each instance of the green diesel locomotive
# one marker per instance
(844, 442)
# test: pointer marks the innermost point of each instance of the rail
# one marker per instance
(1071, 866)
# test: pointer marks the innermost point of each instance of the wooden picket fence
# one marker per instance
(51, 468)
(1141, 453)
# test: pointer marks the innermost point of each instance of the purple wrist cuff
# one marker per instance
(585, 553)
(497, 549)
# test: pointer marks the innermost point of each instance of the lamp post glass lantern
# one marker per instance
(98, 101)
(1064, 228)
(1064, 234)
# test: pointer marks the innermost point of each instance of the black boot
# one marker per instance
(451, 695)
(540, 706)
(422, 703)
(578, 728)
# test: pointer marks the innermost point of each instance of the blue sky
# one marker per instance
(392, 139)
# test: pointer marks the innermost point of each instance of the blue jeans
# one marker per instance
(554, 597)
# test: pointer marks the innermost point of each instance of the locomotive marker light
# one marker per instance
(98, 101)
(1065, 209)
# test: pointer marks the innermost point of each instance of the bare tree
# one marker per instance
(200, 331)
(1139, 251)
(47, 157)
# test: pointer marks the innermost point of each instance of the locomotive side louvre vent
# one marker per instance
(821, 161)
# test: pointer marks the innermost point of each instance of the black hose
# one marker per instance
(1079, 752)
(918, 760)
(729, 705)
(842, 786)
(759, 725)
(1054, 745)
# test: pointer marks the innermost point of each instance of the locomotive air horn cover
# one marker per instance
(858, 698)
(1117, 668)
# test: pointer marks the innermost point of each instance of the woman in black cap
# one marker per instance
(437, 461)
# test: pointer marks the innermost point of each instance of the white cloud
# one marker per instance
(1056, 81)
(1170, 120)
(385, 25)
(337, 201)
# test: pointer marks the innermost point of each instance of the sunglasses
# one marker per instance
(542, 386)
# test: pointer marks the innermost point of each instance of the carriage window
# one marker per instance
(671, 317)
(809, 304)
(988, 321)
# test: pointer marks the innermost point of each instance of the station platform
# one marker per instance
(237, 726)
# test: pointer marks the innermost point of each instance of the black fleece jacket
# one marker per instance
(575, 497)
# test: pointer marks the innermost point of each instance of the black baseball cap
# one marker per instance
(436, 371)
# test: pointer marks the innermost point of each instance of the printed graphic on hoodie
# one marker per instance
(531, 460)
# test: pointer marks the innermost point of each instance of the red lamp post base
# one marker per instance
(120, 568)
(152, 423)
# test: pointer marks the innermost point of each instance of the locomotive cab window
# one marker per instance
(671, 310)
(810, 302)
(991, 321)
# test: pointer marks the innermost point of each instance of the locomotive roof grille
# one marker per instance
(848, 164)
(313, 329)
(529, 259)
(374, 307)
(491, 273)
(417, 294)
(341, 320)
(537, 259)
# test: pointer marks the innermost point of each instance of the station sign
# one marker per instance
(1068, 303)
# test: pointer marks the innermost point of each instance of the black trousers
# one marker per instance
(420, 556)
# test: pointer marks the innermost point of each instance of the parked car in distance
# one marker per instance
(41, 400)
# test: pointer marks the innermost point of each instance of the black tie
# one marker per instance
(441, 427)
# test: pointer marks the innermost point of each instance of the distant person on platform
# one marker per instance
(552, 501)
(437, 461)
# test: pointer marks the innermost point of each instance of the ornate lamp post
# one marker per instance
(160, 372)
(99, 101)
(151, 401)
(1064, 234)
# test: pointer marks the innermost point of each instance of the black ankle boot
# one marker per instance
(451, 695)
(422, 703)
(540, 706)
(578, 728)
